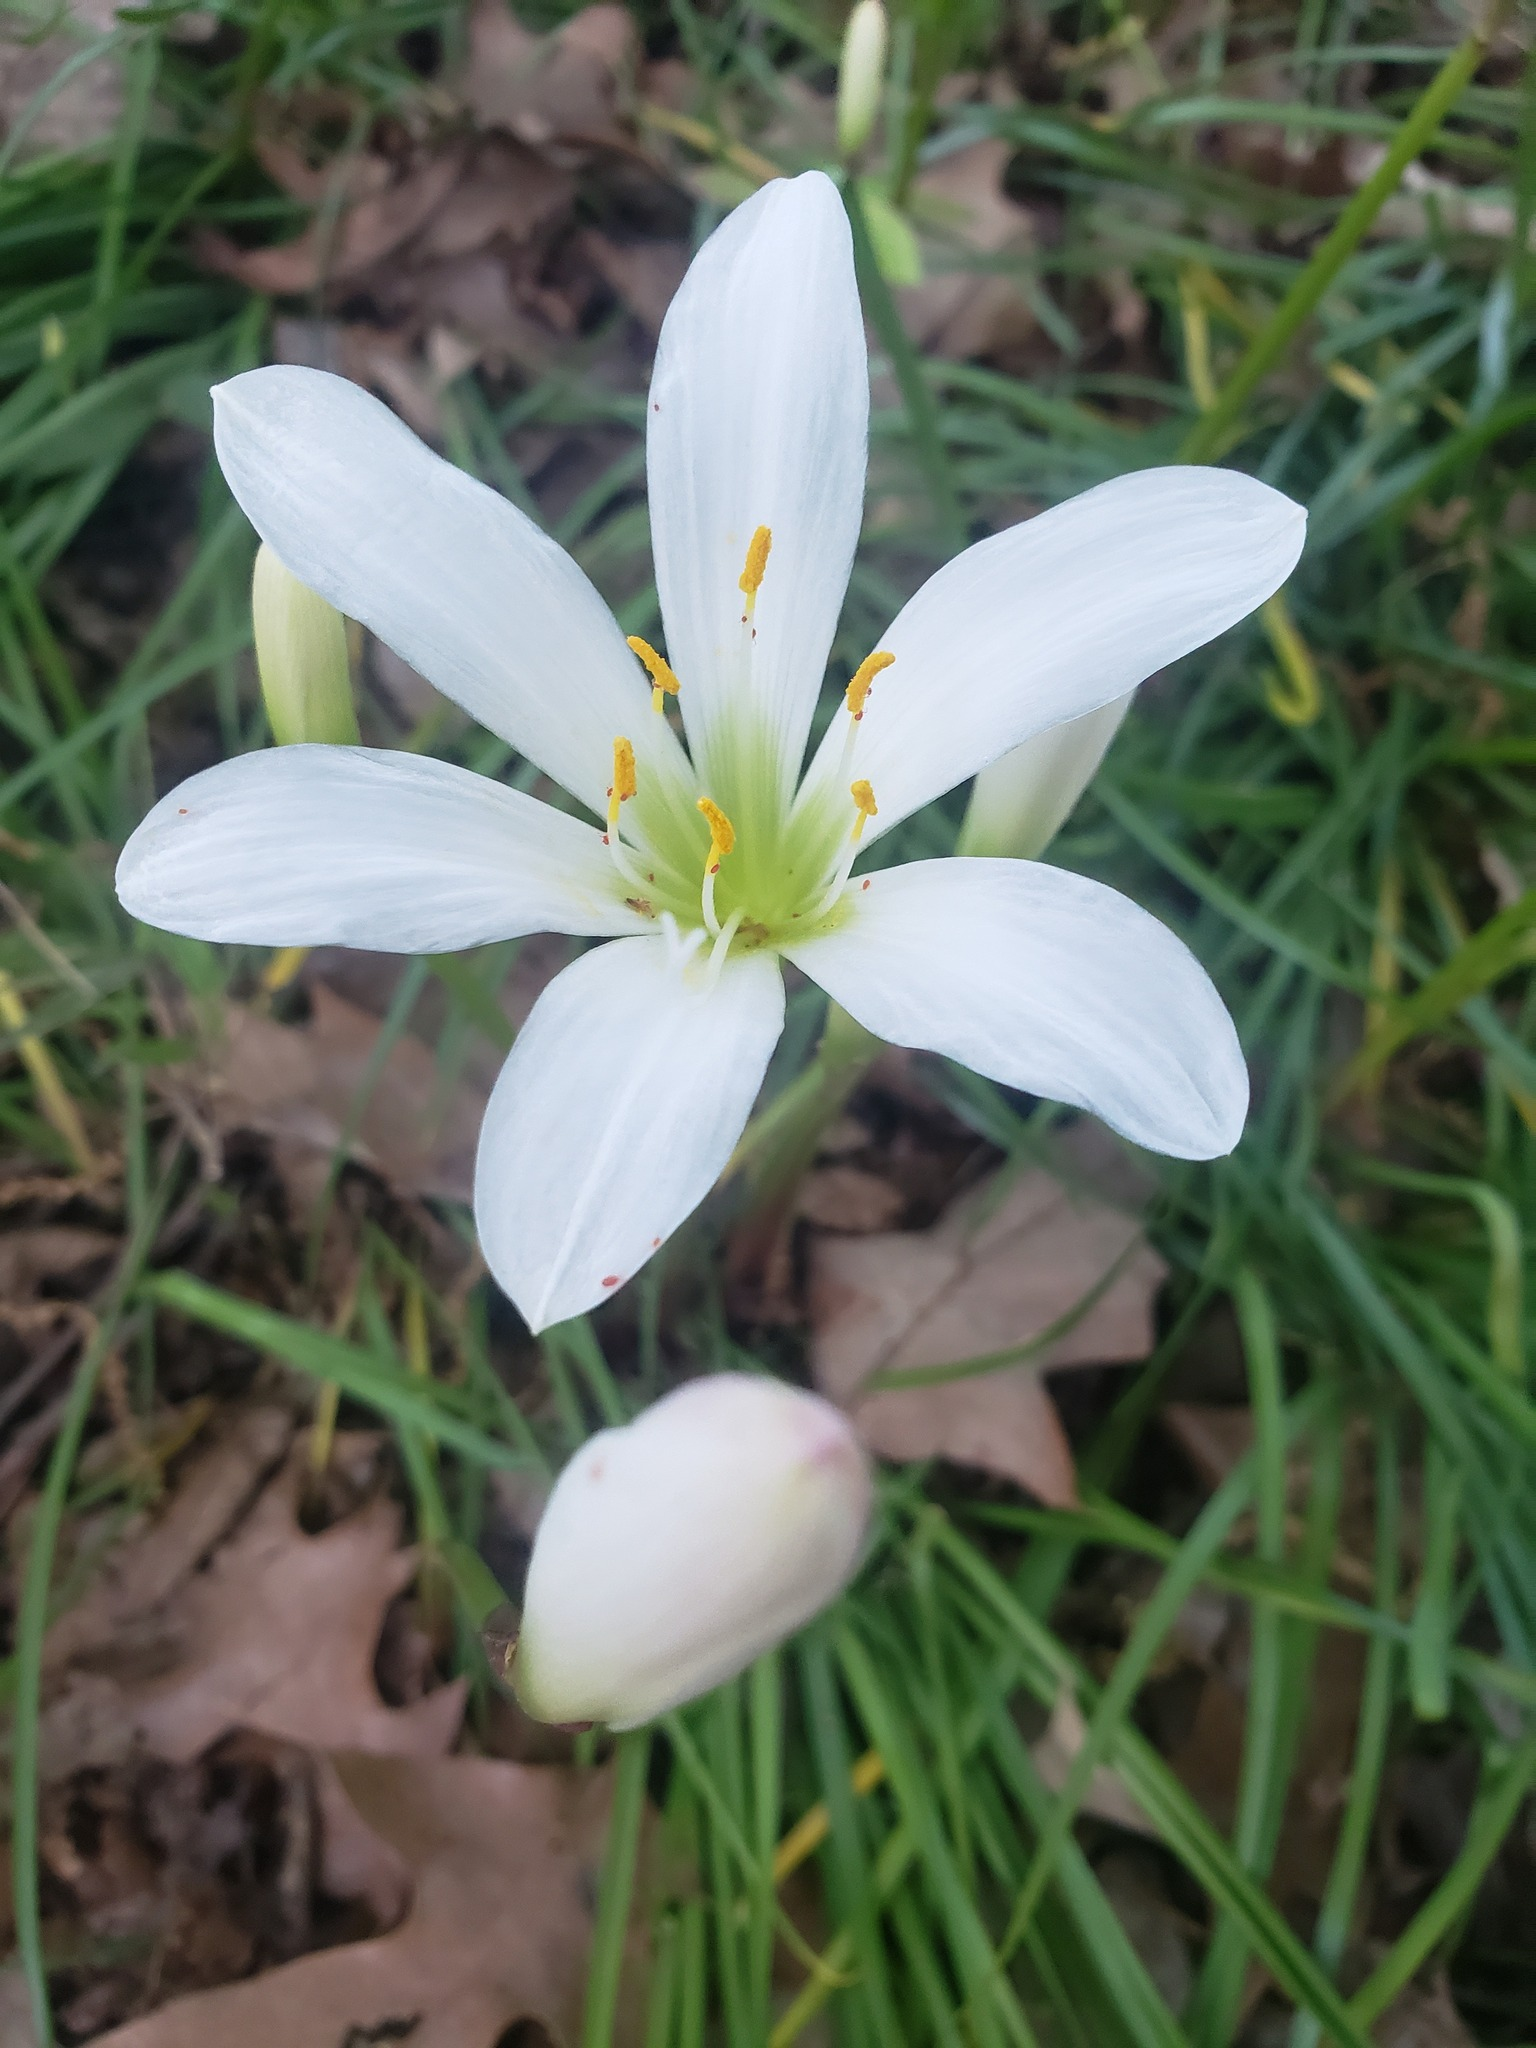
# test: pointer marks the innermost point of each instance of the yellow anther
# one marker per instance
(663, 682)
(862, 680)
(722, 833)
(750, 581)
(864, 803)
(624, 784)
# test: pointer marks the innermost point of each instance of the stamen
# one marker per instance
(722, 837)
(624, 781)
(664, 683)
(620, 790)
(865, 808)
(750, 581)
(861, 682)
(722, 945)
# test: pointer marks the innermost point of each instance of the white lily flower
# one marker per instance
(674, 1551)
(626, 1091)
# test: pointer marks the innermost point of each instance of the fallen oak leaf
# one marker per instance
(296, 1084)
(150, 1561)
(1053, 1754)
(504, 1859)
(559, 89)
(1049, 1268)
(279, 1635)
(966, 306)
(332, 252)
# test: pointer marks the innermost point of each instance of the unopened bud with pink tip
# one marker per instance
(676, 1550)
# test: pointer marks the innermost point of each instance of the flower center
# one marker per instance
(781, 875)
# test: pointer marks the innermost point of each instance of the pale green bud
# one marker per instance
(301, 656)
(1021, 802)
(861, 76)
(676, 1550)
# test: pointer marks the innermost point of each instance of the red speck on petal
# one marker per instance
(655, 1241)
(181, 810)
(610, 1279)
(866, 885)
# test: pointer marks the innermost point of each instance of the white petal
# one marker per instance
(614, 1116)
(346, 846)
(1048, 982)
(1022, 800)
(1061, 614)
(444, 570)
(676, 1550)
(759, 416)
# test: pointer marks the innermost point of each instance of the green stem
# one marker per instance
(1210, 432)
(618, 1882)
(777, 1147)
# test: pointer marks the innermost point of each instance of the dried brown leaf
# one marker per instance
(978, 1283)
(557, 89)
(503, 1859)
(1054, 1754)
(296, 1084)
(644, 275)
(279, 1634)
(335, 251)
(149, 1562)
(961, 310)
(1423, 2016)
(848, 1198)
(84, 111)
(50, 1252)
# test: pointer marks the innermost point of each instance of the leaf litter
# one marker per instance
(1021, 1264)
(503, 1860)
(226, 1787)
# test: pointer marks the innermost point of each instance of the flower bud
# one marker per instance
(861, 76)
(1021, 802)
(677, 1549)
(301, 657)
